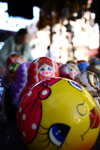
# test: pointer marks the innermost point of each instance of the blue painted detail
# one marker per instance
(3, 83)
(42, 69)
(96, 61)
(83, 66)
(56, 134)
(71, 69)
(49, 69)
(75, 85)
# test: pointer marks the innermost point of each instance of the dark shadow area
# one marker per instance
(9, 134)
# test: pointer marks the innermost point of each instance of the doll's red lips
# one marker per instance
(94, 121)
(94, 118)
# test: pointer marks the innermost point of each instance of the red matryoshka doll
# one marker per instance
(12, 62)
(15, 58)
(3, 117)
(40, 69)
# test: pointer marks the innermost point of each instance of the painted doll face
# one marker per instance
(72, 71)
(46, 70)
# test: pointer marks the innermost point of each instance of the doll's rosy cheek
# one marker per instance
(50, 72)
(43, 73)
(70, 73)
(75, 73)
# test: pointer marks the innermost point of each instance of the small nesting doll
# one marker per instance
(40, 69)
(12, 63)
(94, 66)
(69, 71)
(91, 82)
(3, 117)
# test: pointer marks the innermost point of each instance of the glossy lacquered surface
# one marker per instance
(58, 114)
(82, 65)
(94, 66)
(89, 80)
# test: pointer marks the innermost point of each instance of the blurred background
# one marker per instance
(69, 27)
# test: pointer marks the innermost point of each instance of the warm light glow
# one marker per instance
(89, 1)
(75, 14)
(65, 22)
(93, 15)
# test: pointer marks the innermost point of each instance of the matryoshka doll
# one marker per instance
(91, 82)
(15, 58)
(69, 71)
(3, 117)
(40, 69)
(58, 114)
(12, 62)
(94, 66)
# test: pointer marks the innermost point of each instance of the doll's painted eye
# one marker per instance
(49, 69)
(44, 93)
(71, 69)
(42, 69)
(58, 133)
